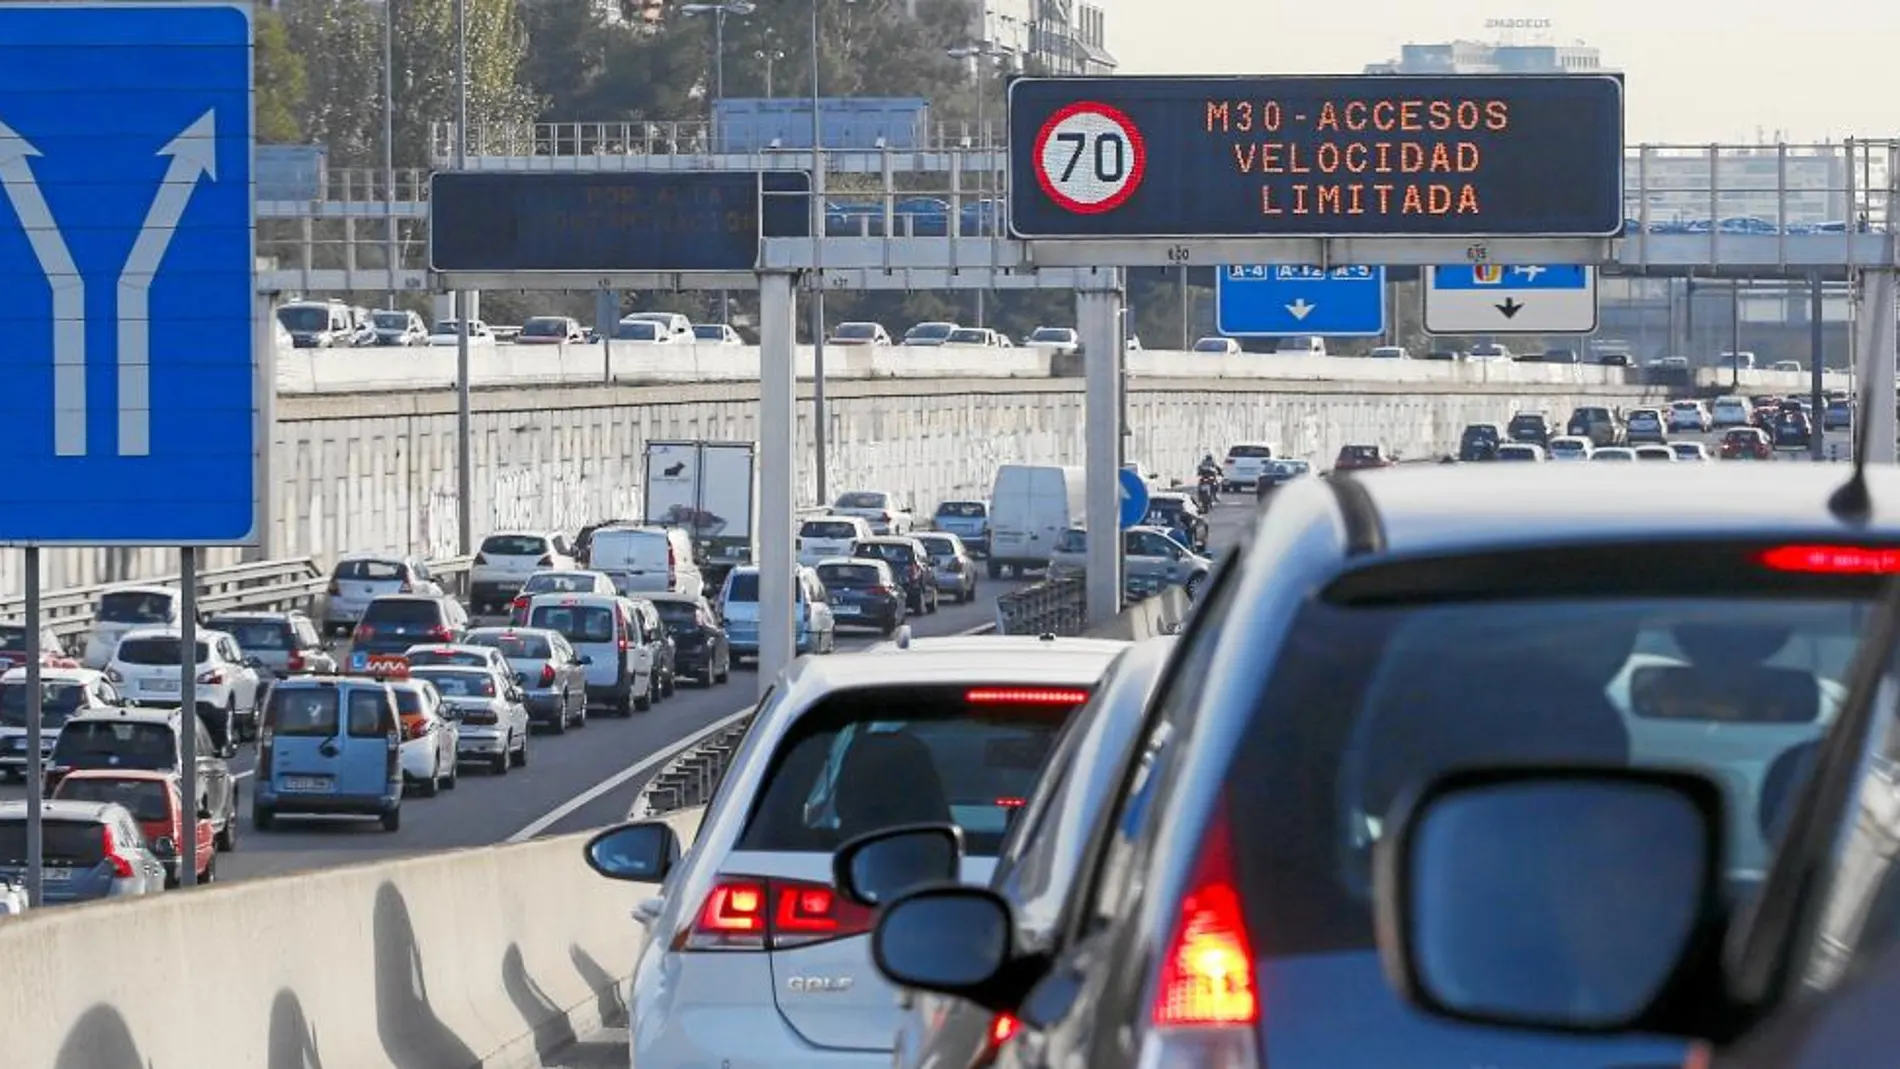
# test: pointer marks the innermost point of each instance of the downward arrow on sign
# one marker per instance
(1300, 308)
(1510, 307)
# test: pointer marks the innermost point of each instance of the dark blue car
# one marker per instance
(863, 594)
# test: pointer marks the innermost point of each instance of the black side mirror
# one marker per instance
(952, 940)
(583, 659)
(1483, 917)
(521, 679)
(638, 853)
(876, 868)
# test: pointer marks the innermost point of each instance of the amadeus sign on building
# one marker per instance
(1517, 24)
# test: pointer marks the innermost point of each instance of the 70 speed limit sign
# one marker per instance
(1089, 157)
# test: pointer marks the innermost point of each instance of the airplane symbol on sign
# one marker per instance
(1529, 273)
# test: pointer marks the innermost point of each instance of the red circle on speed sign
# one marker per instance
(1090, 157)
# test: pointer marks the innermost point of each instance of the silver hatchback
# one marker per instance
(950, 564)
(90, 850)
(360, 578)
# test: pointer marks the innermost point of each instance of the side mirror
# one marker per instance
(163, 846)
(638, 853)
(521, 679)
(1480, 919)
(583, 659)
(951, 940)
(877, 868)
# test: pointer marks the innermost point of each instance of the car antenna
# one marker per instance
(1851, 502)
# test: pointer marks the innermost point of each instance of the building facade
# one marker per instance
(1484, 57)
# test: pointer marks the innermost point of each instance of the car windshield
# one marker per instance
(390, 320)
(850, 576)
(154, 651)
(118, 743)
(254, 635)
(856, 331)
(75, 843)
(1049, 334)
(1517, 452)
(831, 530)
(515, 545)
(929, 331)
(1072, 541)
(874, 757)
(544, 327)
(863, 499)
(1249, 452)
(134, 607)
(1613, 456)
(447, 326)
(1527, 423)
(576, 623)
(304, 319)
(1359, 452)
(455, 683)
(560, 583)
(962, 510)
(58, 700)
(715, 332)
(144, 798)
(975, 335)
(636, 330)
(889, 552)
(1707, 658)
(514, 645)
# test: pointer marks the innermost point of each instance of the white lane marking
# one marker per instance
(651, 761)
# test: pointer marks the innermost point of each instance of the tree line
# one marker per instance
(320, 78)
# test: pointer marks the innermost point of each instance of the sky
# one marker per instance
(1697, 71)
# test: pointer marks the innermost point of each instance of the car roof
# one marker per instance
(62, 809)
(171, 631)
(855, 562)
(973, 658)
(573, 597)
(670, 596)
(452, 647)
(388, 556)
(1430, 508)
(150, 774)
(53, 675)
(254, 614)
(131, 714)
(509, 629)
(141, 588)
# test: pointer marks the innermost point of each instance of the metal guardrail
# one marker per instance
(691, 778)
(1050, 607)
(274, 584)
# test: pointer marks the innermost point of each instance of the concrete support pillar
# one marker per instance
(778, 475)
(1099, 322)
(1876, 346)
(442, 306)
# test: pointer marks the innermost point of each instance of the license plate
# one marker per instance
(306, 783)
(844, 610)
(162, 686)
(56, 875)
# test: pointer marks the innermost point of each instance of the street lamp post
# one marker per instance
(981, 52)
(769, 56)
(719, 13)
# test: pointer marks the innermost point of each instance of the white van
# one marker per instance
(127, 609)
(1030, 506)
(647, 560)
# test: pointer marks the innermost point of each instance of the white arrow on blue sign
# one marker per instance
(1134, 498)
(1280, 300)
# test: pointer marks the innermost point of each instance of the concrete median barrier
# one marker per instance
(488, 957)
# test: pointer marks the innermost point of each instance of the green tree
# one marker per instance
(566, 54)
(426, 58)
(280, 82)
(340, 43)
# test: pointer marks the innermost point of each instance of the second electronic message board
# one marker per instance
(1375, 155)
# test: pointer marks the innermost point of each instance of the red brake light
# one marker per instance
(1026, 696)
(1207, 974)
(296, 662)
(121, 867)
(1009, 803)
(1832, 560)
(546, 561)
(755, 913)
(547, 675)
(441, 633)
(212, 677)
(672, 558)
(1002, 1027)
(882, 591)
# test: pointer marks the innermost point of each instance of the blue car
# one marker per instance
(864, 594)
(329, 746)
(969, 520)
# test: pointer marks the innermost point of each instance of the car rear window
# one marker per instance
(1359, 452)
(1249, 452)
(252, 635)
(403, 611)
(515, 545)
(370, 714)
(862, 500)
(576, 623)
(370, 571)
(513, 645)
(544, 327)
(132, 607)
(453, 684)
(560, 583)
(828, 529)
(309, 712)
(743, 587)
(937, 546)
(122, 743)
(1072, 541)
(144, 798)
(467, 658)
(1707, 658)
(850, 576)
(57, 702)
(962, 510)
(878, 757)
(62, 842)
(157, 651)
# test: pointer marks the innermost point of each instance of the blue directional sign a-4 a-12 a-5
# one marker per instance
(1165, 158)
(1280, 300)
(135, 408)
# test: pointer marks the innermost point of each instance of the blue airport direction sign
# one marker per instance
(1134, 498)
(1475, 155)
(1280, 300)
(136, 409)
(612, 220)
(1483, 299)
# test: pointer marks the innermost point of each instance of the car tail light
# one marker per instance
(414, 728)
(520, 604)
(883, 517)
(547, 675)
(1207, 972)
(883, 591)
(441, 633)
(1026, 696)
(1002, 1027)
(546, 561)
(1009, 802)
(296, 662)
(756, 913)
(212, 677)
(121, 866)
(672, 557)
(1832, 560)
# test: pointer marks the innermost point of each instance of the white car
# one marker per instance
(1615, 454)
(1245, 463)
(1654, 451)
(878, 508)
(430, 737)
(123, 610)
(64, 693)
(1688, 416)
(823, 537)
(446, 332)
(1569, 447)
(644, 332)
(716, 334)
(872, 334)
(1062, 340)
(1217, 346)
(1691, 451)
(505, 561)
(750, 921)
(146, 670)
(1521, 451)
(929, 334)
(489, 712)
(1730, 412)
(675, 327)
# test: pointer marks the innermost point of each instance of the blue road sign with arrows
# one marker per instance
(1134, 498)
(135, 409)
(1278, 300)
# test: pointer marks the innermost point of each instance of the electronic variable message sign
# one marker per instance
(603, 221)
(1333, 156)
